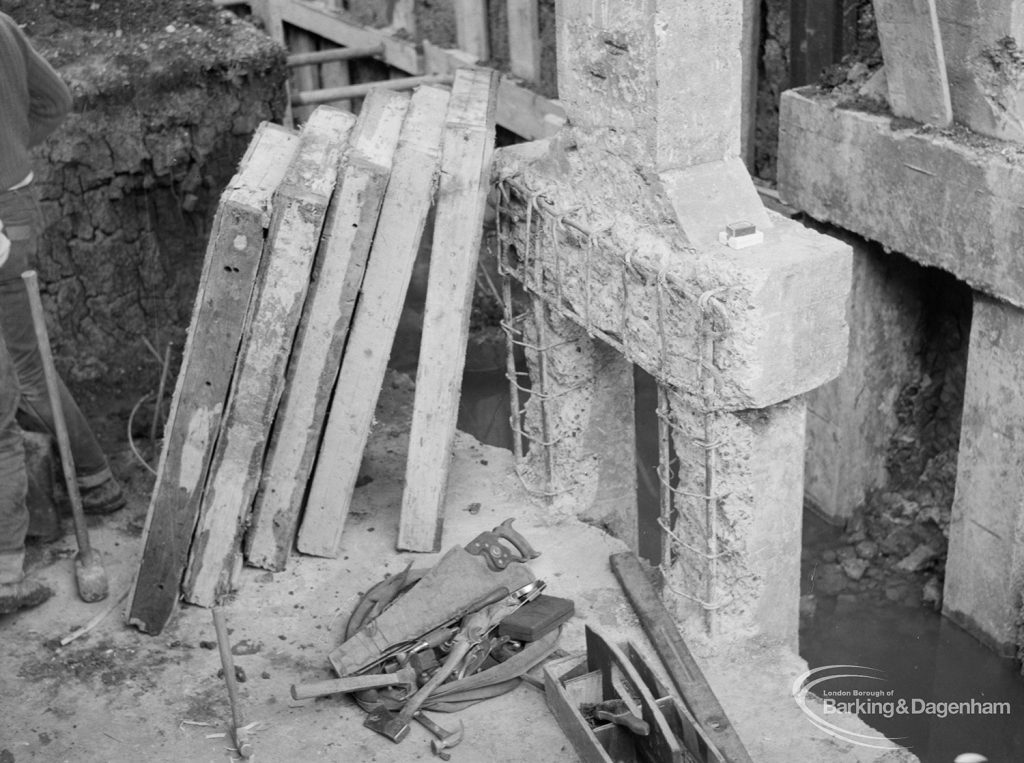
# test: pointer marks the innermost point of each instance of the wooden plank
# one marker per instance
(358, 91)
(313, 369)
(403, 18)
(388, 271)
(750, 49)
(683, 670)
(229, 272)
(471, 28)
(915, 67)
(330, 25)
(333, 54)
(335, 74)
(520, 110)
(524, 39)
(455, 249)
(305, 78)
(300, 206)
(527, 114)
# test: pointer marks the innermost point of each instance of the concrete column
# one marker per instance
(662, 74)
(985, 565)
(851, 419)
(582, 403)
(739, 576)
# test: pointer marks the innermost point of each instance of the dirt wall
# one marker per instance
(167, 94)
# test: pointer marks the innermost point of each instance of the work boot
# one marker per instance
(104, 498)
(24, 594)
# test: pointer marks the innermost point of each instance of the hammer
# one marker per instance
(445, 739)
(226, 661)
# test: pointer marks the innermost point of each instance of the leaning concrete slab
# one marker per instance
(946, 199)
(979, 40)
(985, 568)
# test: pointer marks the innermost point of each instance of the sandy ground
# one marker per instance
(119, 695)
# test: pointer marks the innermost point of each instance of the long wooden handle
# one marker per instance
(350, 684)
(59, 424)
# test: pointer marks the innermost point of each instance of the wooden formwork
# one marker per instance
(324, 40)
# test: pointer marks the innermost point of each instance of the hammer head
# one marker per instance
(385, 722)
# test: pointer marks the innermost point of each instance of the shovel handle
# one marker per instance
(59, 423)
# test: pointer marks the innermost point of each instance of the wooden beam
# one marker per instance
(300, 206)
(335, 74)
(334, 54)
(395, 245)
(458, 229)
(313, 369)
(303, 79)
(915, 68)
(229, 273)
(330, 25)
(520, 110)
(683, 670)
(524, 39)
(471, 28)
(358, 91)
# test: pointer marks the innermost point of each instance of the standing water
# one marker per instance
(959, 696)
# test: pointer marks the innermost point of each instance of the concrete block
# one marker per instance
(781, 304)
(985, 565)
(942, 202)
(986, 79)
(757, 479)
(662, 76)
(851, 419)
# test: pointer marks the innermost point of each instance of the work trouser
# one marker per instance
(13, 480)
(22, 225)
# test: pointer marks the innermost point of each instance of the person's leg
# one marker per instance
(21, 219)
(16, 591)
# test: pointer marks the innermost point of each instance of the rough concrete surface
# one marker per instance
(985, 568)
(118, 695)
(638, 278)
(944, 199)
(851, 419)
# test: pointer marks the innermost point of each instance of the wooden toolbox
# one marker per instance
(656, 728)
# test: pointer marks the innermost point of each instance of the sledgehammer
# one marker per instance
(89, 572)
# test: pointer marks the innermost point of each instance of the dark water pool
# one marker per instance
(922, 658)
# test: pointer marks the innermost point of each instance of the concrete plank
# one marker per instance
(468, 147)
(229, 274)
(313, 368)
(914, 64)
(300, 205)
(403, 214)
(942, 202)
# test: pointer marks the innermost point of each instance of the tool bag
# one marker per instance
(412, 618)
